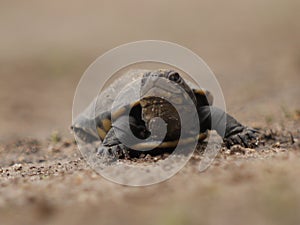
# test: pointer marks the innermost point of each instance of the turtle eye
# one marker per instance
(174, 76)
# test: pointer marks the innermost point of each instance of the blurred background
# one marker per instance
(252, 46)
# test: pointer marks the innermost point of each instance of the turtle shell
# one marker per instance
(96, 121)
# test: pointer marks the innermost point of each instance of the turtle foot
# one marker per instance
(247, 138)
(107, 154)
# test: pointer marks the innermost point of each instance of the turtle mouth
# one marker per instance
(156, 92)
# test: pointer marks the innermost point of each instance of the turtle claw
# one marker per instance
(108, 154)
(113, 153)
(247, 138)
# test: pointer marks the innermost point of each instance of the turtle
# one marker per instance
(142, 115)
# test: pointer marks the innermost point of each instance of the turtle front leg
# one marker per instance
(235, 132)
(112, 143)
(112, 147)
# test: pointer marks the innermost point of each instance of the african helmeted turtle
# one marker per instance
(144, 111)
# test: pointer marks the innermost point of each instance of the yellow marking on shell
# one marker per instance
(117, 113)
(134, 104)
(101, 133)
(106, 124)
(200, 92)
(202, 136)
(168, 144)
(145, 145)
(205, 93)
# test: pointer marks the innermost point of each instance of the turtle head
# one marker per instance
(166, 84)
(162, 93)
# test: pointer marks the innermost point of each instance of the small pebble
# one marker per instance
(276, 145)
(148, 156)
(17, 167)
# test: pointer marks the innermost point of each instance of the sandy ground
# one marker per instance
(253, 48)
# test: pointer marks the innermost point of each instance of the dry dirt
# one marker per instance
(252, 46)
